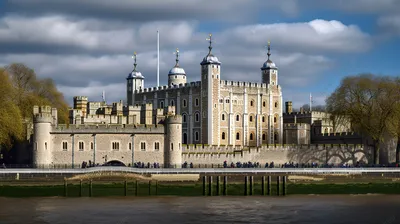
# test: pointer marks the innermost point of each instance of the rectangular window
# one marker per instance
(157, 146)
(65, 146)
(81, 146)
(115, 146)
(130, 146)
(196, 136)
(143, 146)
(197, 102)
(91, 145)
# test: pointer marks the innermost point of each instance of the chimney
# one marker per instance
(288, 107)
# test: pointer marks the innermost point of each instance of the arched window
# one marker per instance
(196, 136)
(263, 137)
(276, 104)
(251, 136)
(172, 146)
(274, 119)
(264, 104)
(237, 118)
(161, 104)
(251, 103)
(237, 136)
(223, 117)
(197, 117)
(263, 118)
(251, 118)
(184, 138)
(275, 137)
(184, 103)
(172, 103)
(223, 135)
(184, 118)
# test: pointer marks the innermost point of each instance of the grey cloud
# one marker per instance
(390, 24)
(205, 10)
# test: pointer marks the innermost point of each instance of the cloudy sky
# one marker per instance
(86, 46)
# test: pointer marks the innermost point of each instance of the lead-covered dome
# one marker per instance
(135, 74)
(210, 58)
(269, 64)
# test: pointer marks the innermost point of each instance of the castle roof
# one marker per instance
(135, 74)
(269, 64)
(177, 70)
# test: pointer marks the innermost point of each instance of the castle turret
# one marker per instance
(269, 70)
(80, 103)
(176, 75)
(134, 81)
(42, 144)
(173, 150)
(210, 85)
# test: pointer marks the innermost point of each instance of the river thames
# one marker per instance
(365, 209)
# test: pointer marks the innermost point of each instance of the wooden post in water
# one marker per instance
(90, 189)
(263, 185)
(284, 186)
(225, 186)
(65, 188)
(136, 188)
(80, 188)
(246, 180)
(126, 188)
(204, 185)
(269, 186)
(149, 187)
(251, 185)
(218, 185)
(210, 186)
(278, 183)
(156, 187)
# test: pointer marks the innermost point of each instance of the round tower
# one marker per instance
(173, 144)
(176, 75)
(42, 143)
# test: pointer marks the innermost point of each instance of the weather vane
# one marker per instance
(177, 57)
(134, 57)
(269, 49)
(210, 40)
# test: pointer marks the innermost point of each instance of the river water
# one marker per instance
(366, 209)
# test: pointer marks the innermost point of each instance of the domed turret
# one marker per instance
(210, 58)
(134, 82)
(269, 71)
(177, 74)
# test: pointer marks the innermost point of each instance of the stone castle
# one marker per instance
(204, 122)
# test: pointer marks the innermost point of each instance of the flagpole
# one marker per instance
(310, 102)
(158, 58)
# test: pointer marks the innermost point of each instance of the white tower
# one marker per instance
(134, 82)
(176, 75)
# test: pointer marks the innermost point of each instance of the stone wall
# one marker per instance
(279, 154)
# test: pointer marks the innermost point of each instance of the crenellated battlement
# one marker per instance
(229, 83)
(166, 87)
(174, 119)
(337, 134)
(83, 98)
(109, 128)
(296, 125)
(305, 113)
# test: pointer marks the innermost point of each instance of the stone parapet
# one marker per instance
(110, 128)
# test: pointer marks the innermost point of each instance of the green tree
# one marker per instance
(370, 102)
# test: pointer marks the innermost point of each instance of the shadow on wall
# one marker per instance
(329, 155)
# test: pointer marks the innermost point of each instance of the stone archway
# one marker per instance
(114, 163)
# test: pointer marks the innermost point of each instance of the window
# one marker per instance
(196, 102)
(143, 146)
(81, 146)
(221, 100)
(251, 136)
(227, 101)
(251, 118)
(184, 118)
(115, 146)
(130, 146)
(275, 137)
(65, 146)
(274, 119)
(172, 146)
(91, 146)
(264, 104)
(196, 135)
(161, 104)
(45, 145)
(263, 119)
(184, 103)
(237, 136)
(237, 118)
(276, 104)
(223, 135)
(176, 76)
(156, 146)
(252, 103)
(172, 103)
(223, 117)
(197, 117)
(263, 137)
